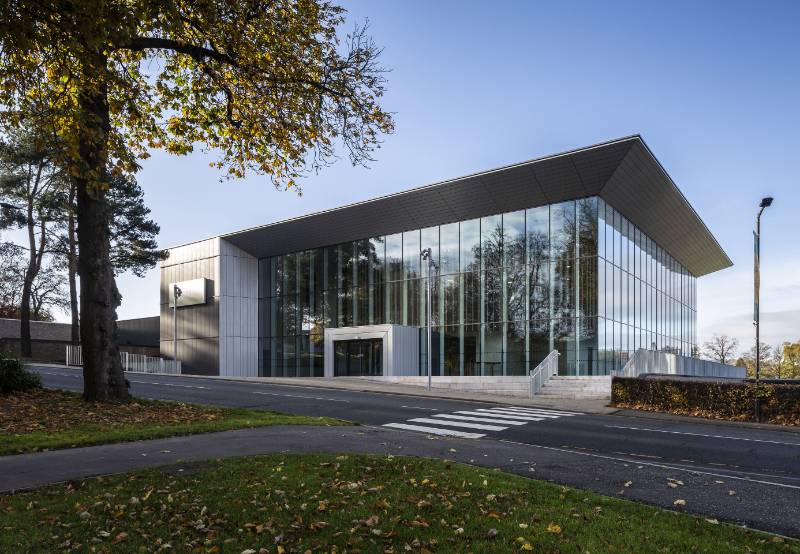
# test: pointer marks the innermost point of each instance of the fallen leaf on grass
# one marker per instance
(554, 528)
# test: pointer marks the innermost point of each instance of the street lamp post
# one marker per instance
(765, 203)
(176, 293)
(427, 254)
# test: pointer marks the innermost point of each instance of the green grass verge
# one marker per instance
(142, 419)
(325, 503)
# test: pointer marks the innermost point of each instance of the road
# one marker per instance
(731, 472)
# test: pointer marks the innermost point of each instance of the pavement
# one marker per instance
(738, 473)
(591, 405)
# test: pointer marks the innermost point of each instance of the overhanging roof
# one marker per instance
(624, 172)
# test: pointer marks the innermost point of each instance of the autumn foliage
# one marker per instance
(780, 404)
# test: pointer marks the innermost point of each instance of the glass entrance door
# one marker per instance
(358, 358)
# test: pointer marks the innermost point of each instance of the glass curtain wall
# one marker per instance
(508, 289)
(646, 298)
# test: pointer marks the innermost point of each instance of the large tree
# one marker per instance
(266, 85)
(30, 178)
(133, 238)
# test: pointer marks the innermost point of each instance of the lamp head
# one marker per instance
(766, 202)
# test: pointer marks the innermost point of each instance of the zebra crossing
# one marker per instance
(467, 424)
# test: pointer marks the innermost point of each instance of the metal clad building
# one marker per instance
(593, 252)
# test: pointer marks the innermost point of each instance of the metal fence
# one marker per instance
(74, 356)
(653, 361)
(543, 372)
(132, 363)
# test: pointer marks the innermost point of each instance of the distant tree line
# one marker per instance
(781, 361)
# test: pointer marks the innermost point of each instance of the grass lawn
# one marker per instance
(326, 503)
(48, 419)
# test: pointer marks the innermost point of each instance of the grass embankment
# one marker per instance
(325, 503)
(48, 419)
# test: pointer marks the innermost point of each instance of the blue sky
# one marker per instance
(713, 88)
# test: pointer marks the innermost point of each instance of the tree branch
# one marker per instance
(199, 53)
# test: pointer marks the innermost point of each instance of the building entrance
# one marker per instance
(358, 358)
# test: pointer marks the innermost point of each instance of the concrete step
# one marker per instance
(573, 393)
(566, 387)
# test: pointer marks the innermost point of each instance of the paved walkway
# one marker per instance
(591, 406)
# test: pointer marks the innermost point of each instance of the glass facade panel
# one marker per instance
(492, 242)
(645, 298)
(470, 245)
(448, 249)
(577, 277)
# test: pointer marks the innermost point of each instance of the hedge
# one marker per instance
(780, 403)
(14, 377)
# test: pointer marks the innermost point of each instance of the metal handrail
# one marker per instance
(543, 372)
(631, 368)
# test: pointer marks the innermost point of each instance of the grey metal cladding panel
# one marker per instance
(596, 166)
(511, 190)
(644, 194)
(559, 180)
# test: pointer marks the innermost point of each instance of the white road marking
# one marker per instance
(503, 416)
(701, 435)
(300, 396)
(482, 419)
(435, 431)
(465, 425)
(421, 408)
(168, 384)
(499, 411)
(559, 412)
(537, 413)
(653, 464)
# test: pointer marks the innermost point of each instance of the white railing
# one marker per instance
(139, 363)
(543, 372)
(654, 361)
(74, 356)
(132, 363)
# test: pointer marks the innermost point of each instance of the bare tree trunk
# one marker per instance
(30, 274)
(72, 270)
(25, 315)
(102, 371)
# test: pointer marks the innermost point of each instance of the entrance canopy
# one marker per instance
(371, 351)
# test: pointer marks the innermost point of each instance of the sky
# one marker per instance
(713, 88)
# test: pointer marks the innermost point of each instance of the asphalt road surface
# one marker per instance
(731, 472)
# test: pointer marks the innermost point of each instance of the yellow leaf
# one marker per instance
(554, 528)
